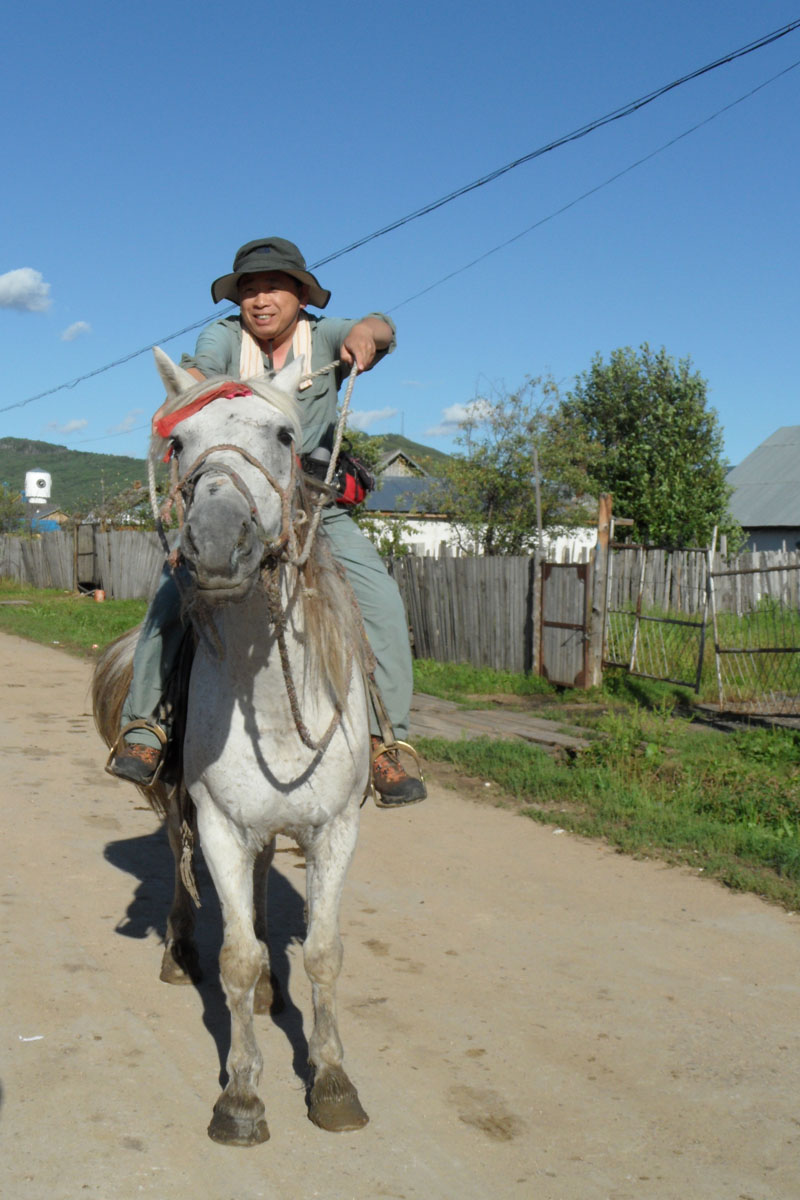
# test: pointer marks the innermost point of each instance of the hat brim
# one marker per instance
(227, 286)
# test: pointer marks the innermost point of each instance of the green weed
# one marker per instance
(459, 681)
(652, 785)
(65, 619)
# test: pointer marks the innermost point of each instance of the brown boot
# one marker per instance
(137, 761)
(393, 785)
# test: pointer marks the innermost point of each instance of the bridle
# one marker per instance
(281, 548)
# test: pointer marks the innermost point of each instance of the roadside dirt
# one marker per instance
(525, 1014)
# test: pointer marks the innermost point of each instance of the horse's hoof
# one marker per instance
(334, 1104)
(180, 965)
(268, 996)
(231, 1129)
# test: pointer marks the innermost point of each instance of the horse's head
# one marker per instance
(235, 446)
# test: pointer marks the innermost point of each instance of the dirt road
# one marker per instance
(524, 1014)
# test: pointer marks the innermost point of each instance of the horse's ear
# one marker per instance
(174, 378)
(288, 378)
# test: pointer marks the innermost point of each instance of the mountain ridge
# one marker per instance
(85, 479)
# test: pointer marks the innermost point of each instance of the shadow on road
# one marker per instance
(149, 860)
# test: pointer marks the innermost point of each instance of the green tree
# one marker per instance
(12, 509)
(655, 445)
(488, 485)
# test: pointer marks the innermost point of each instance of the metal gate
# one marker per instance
(655, 623)
(564, 634)
(756, 612)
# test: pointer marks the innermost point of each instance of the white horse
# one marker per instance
(277, 735)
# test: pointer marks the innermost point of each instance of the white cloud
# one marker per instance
(68, 426)
(454, 416)
(362, 420)
(25, 290)
(75, 330)
(128, 422)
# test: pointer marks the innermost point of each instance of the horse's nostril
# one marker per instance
(241, 541)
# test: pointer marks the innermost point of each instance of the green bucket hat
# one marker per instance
(268, 254)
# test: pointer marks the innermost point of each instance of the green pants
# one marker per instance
(381, 608)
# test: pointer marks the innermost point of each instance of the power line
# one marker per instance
(616, 115)
(591, 127)
(597, 188)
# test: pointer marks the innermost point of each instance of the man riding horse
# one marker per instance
(272, 287)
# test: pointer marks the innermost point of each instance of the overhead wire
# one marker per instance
(591, 192)
(590, 127)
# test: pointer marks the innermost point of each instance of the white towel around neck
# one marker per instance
(251, 363)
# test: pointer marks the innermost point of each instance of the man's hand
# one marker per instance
(364, 341)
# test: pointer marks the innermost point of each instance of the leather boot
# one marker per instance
(394, 786)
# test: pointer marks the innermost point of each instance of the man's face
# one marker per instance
(271, 302)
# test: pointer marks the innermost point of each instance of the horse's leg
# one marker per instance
(180, 962)
(268, 997)
(333, 1102)
(238, 1118)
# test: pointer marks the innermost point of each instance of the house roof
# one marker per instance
(767, 483)
(401, 493)
(391, 457)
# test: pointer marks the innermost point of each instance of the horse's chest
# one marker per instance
(243, 748)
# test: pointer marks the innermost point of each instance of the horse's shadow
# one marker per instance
(149, 860)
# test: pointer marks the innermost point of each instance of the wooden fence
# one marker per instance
(125, 564)
(477, 610)
(675, 581)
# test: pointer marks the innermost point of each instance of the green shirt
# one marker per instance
(217, 353)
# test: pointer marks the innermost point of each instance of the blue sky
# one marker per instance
(144, 143)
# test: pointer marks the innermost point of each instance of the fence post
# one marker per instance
(538, 559)
(597, 623)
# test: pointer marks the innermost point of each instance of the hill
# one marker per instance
(83, 480)
(426, 456)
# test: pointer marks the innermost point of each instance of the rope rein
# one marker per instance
(322, 500)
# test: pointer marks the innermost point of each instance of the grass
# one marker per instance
(654, 784)
(75, 623)
(461, 682)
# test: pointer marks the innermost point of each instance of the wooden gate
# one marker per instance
(564, 644)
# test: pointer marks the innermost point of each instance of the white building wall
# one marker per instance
(433, 538)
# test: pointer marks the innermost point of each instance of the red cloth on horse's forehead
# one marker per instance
(165, 425)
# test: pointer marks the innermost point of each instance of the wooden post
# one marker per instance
(599, 575)
(538, 559)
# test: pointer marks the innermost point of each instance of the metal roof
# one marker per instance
(401, 493)
(767, 483)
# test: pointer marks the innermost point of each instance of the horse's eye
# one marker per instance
(177, 445)
(285, 436)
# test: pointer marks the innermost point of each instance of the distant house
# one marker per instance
(766, 492)
(398, 463)
(408, 493)
(405, 492)
(45, 518)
